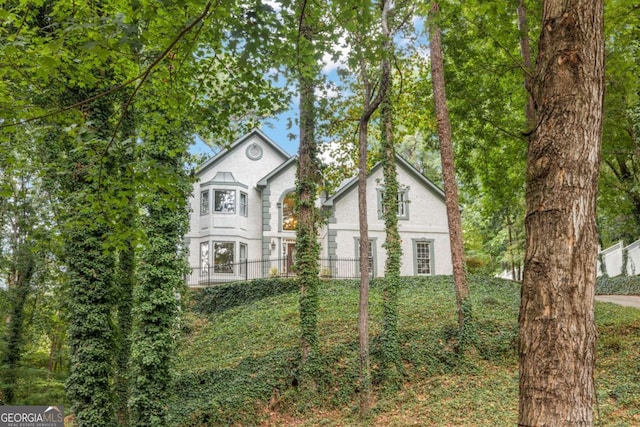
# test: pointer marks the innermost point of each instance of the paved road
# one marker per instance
(626, 300)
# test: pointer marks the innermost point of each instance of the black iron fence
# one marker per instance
(336, 268)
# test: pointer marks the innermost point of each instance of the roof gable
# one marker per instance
(237, 143)
(400, 161)
(293, 160)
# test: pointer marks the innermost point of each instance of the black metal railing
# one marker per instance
(336, 268)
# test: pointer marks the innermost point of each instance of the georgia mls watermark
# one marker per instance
(31, 416)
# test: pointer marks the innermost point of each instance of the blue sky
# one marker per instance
(274, 127)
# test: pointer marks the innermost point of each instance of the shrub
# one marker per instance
(217, 299)
(619, 285)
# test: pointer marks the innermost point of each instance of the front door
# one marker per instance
(289, 248)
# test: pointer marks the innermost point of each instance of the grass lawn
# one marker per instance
(238, 366)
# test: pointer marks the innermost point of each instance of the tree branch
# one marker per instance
(142, 76)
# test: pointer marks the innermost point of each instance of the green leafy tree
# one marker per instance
(162, 267)
(18, 256)
(91, 269)
(373, 94)
(619, 187)
(485, 73)
(392, 368)
(307, 248)
(126, 258)
(450, 184)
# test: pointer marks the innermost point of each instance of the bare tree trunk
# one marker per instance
(557, 330)
(363, 307)
(448, 170)
(511, 254)
(370, 105)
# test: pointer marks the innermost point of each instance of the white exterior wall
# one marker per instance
(278, 186)
(232, 227)
(427, 220)
(613, 257)
(633, 258)
(268, 179)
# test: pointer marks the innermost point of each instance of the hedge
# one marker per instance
(219, 298)
(618, 285)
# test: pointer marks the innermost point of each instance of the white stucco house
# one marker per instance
(242, 222)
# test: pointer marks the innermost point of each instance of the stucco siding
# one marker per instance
(246, 185)
(427, 221)
(234, 227)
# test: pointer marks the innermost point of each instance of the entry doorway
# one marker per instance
(288, 256)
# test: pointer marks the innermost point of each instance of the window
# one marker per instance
(204, 258)
(254, 152)
(244, 206)
(289, 218)
(422, 256)
(225, 201)
(242, 257)
(372, 248)
(223, 255)
(402, 199)
(402, 204)
(204, 202)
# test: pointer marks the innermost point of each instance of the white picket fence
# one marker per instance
(613, 258)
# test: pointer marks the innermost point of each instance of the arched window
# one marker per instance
(289, 218)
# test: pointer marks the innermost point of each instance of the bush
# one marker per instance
(217, 299)
(231, 396)
(619, 285)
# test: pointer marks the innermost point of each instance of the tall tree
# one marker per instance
(391, 363)
(485, 96)
(126, 257)
(449, 177)
(370, 102)
(527, 62)
(307, 248)
(161, 271)
(74, 58)
(18, 251)
(91, 271)
(619, 190)
(557, 329)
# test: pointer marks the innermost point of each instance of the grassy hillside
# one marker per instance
(237, 365)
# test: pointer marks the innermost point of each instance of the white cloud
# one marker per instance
(337, 58)
(275, 5)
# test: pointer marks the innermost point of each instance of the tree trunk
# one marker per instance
(557, 330)
(306, 237)
(19, 286)
(91, 268)
(307, 250)
(511, 254)
(448, 173)
(126, 265)
(370, 105)
(391, 363)
(161, 269)
(363, 307)
(525, 51)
